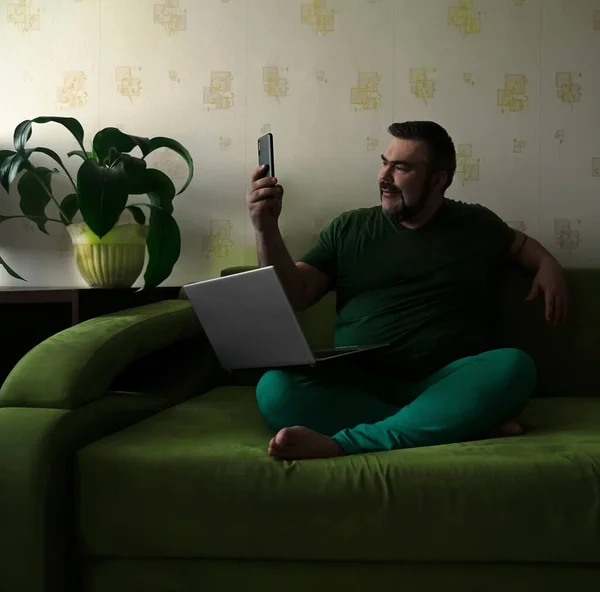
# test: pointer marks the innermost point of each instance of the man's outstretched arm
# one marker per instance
(549, 278)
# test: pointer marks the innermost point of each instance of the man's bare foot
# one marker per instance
(299, 442)
(507, 429)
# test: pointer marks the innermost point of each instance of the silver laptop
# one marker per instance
(250, 323)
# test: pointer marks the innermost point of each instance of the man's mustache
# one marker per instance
(389, 187)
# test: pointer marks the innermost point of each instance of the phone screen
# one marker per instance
(265, 153)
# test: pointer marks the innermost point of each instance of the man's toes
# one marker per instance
(277, 452)
(511, 428)
(282, 438)
(508, 429)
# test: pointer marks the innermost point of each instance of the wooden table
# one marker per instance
(28, 316)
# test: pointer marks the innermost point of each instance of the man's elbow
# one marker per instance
(301, 301)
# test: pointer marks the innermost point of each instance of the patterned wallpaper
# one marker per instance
(516, 83)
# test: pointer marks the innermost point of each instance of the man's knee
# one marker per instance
(519, 365)
(516, 372)
(277, 398)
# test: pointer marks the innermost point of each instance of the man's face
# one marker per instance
(405, 182)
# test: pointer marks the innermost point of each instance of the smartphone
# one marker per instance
(265, 154)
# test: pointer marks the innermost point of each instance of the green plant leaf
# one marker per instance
(55, 157)
(102, 193)
(9, 270)
(69, 206)
(22, 134)
(23, 130)
(81, 154)
(164, 247)
(18, 164)
(137, 214)
(13, 165)
(112, 137)
(34, 198)
(5, 155)
(160, 142)
(6, 158)
(10, 168)
(114, 156)
(158, 187)
(135, 169)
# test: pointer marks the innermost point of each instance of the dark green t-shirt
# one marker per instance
(429, 292)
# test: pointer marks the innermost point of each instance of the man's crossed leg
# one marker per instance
(321, 415)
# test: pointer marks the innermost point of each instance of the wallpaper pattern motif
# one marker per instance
(515, 82)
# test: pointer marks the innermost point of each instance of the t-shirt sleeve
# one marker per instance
(324, 254)
(497, 232)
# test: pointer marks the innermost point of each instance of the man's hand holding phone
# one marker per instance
(264, 200)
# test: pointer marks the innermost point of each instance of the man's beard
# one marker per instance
(401, 211)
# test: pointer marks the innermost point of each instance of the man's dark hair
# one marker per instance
(442, 154)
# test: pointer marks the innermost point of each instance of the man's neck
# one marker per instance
(434, 203)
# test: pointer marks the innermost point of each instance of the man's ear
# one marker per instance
(439, 181)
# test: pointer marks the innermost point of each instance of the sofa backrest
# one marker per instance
(568, 358)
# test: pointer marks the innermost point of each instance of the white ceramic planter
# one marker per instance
(113, 261)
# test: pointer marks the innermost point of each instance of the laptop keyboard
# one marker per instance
(326, 353)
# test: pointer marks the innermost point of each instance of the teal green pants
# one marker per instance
(462, 401)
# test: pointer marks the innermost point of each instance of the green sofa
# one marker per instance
(129, 462)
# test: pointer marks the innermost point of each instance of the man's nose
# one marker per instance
(385, 175)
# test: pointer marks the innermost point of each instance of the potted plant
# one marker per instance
(109, 253)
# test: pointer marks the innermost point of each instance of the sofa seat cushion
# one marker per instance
(195, 481)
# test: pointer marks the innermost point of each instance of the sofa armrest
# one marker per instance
(77, 365)
(76, 387)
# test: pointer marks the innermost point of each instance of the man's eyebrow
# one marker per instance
(398, 162)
